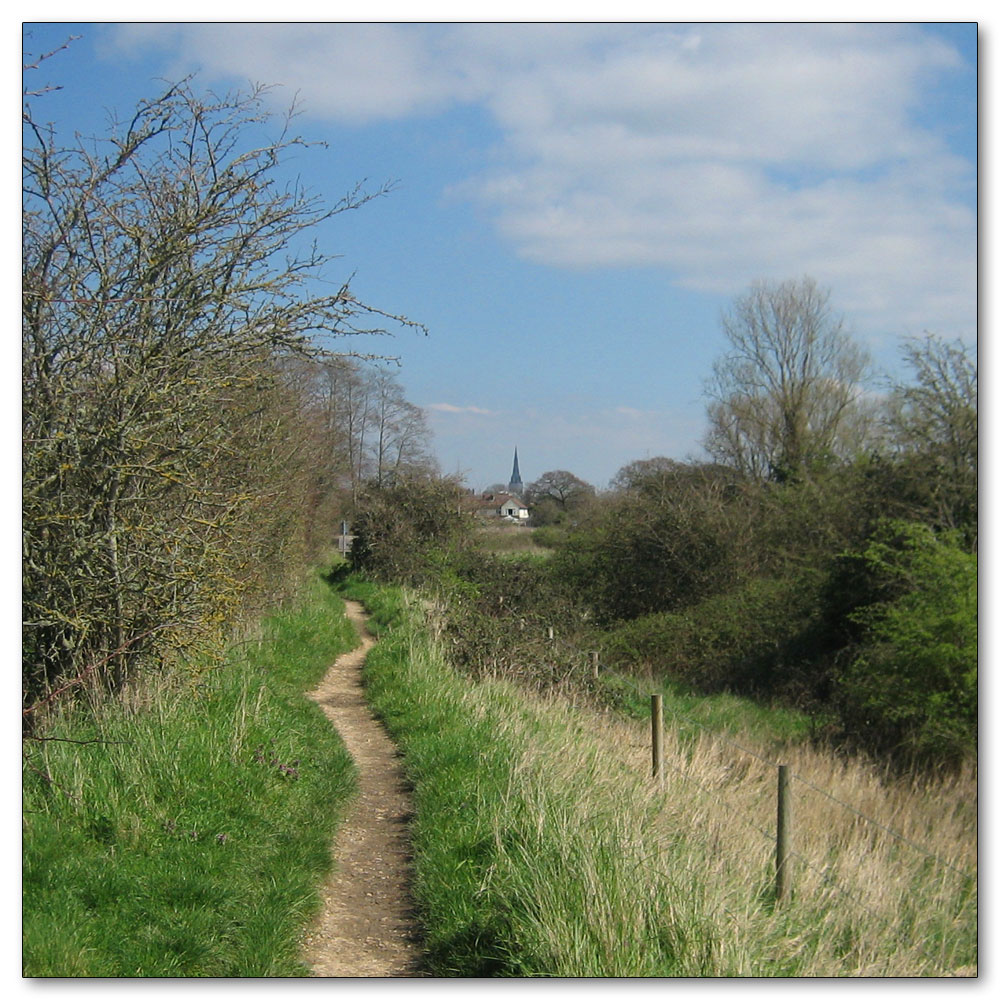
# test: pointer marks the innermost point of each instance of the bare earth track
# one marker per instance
(366, 927)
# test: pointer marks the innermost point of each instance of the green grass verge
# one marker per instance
(521, 869)
(773, 726)
(542, 848)
(189, 839)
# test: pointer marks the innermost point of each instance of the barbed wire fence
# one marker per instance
(587, 664)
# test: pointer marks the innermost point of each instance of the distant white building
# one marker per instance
(504, 506)
(513, 509)
(500, 505)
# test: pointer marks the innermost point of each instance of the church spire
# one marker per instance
(515, 485)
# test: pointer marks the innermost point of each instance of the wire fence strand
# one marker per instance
(722, 737)
(886, 829)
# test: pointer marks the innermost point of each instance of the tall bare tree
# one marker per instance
(399, 446)
(788, 392)
(933, 427)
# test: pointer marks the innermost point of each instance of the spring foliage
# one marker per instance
(408, 529)
(912, 682)
(841, 583)
(175, 448)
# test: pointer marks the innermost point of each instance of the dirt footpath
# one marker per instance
(366, 927)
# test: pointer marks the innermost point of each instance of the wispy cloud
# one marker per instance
(350, 73)
(721, 153)
(726, 153)
(450, 408)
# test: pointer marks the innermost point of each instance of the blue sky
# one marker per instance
(577, 202)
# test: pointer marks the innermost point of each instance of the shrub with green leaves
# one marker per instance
(911, 687)
(499, 611)
(409, 530)
(760, 638)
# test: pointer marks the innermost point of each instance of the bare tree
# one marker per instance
(401, 435)
(556, 494)
(933, 428)
(789, 388)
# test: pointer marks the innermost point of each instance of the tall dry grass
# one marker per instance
(884, 870)
(505, 539)
(543, 846)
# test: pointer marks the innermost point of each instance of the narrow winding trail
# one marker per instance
(366, 927)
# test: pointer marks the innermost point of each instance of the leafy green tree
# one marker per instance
(911, 687)
(688, 532)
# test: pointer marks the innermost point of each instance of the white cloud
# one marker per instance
(350, 73)
(719, 152)
(451, 408)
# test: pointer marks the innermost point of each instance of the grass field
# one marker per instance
(509, 540)
(544, 849)
(690, 714)
(183, 831)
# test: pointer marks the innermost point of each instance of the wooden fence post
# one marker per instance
(594, 663)
(656, 712)
(782, 862)
(551, 634)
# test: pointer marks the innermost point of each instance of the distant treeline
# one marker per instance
(825, 556)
